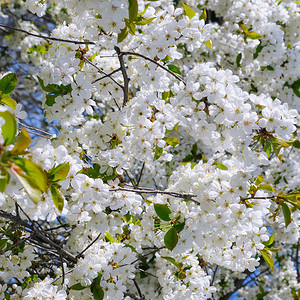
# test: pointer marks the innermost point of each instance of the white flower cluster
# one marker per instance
(143, 106)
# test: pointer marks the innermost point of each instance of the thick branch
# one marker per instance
(124, 73)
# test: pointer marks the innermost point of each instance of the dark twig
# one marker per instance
(62, 269)
(157, 63)
(102, 72)
(47, 37)
(138, 289)
(124, 73)
(154, 191)
(38, 130)
(38, 235)
(140, 174)
(107, 75)
(132, 296)
(88, 246)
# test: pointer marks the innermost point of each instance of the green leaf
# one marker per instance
(6, 99)
(287, 214)
(203, 16)
(253, 35)
(259, 180)
(4, 180)
(141, 13)
(238, 60)
(22, 143)
(133, 10)
(270, 241)
(171, 140)
(179, 226)
(122, 35)
(171, 260)
(189, 11)
(268, 148)
(208, 44)
(296, 87)
(163, 211)
(277, 144)
(57, 197)
(109, 237)
(266, 187)
(8, 83)
(3, 243)
(158, 152)
(60, 172)
(50, 99)
(267, 255)
(9, 129)
(296, 144)
(220, 166)
(34, 171)
(174, 69)
(143, 21)
(171, 239)
(77, 287)
(258, 50)
(30, 186)
(97, 291)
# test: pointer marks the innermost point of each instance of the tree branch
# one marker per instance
(47, 37)
(154, 191)
(124, 73)
(157, 63)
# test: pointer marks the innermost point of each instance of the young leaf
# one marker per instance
(109, 237)
(253, 35)
(6, 99)
(203, 16)
(171, 260)
(9, 129)
(163, 211)
(57, 197)
(208, 44)
(30, 187)
(122, 35)
(174, 69)
(220, 166)
(133, 10)
(97, 291)
(267, 255)
(266, 187)
(171, 140)
(259, 180)
(60, 172)
(4, 180)
(179, 226)
(22, 143)
(270, 241)
(287, 214)
(8, 83)
(238, 60)
(34, 171)
(77, 287)
(189, 11)
(158, 152)
(144, 21)
(171, 239)
(296, 87)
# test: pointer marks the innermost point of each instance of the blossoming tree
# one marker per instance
(175, 170)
